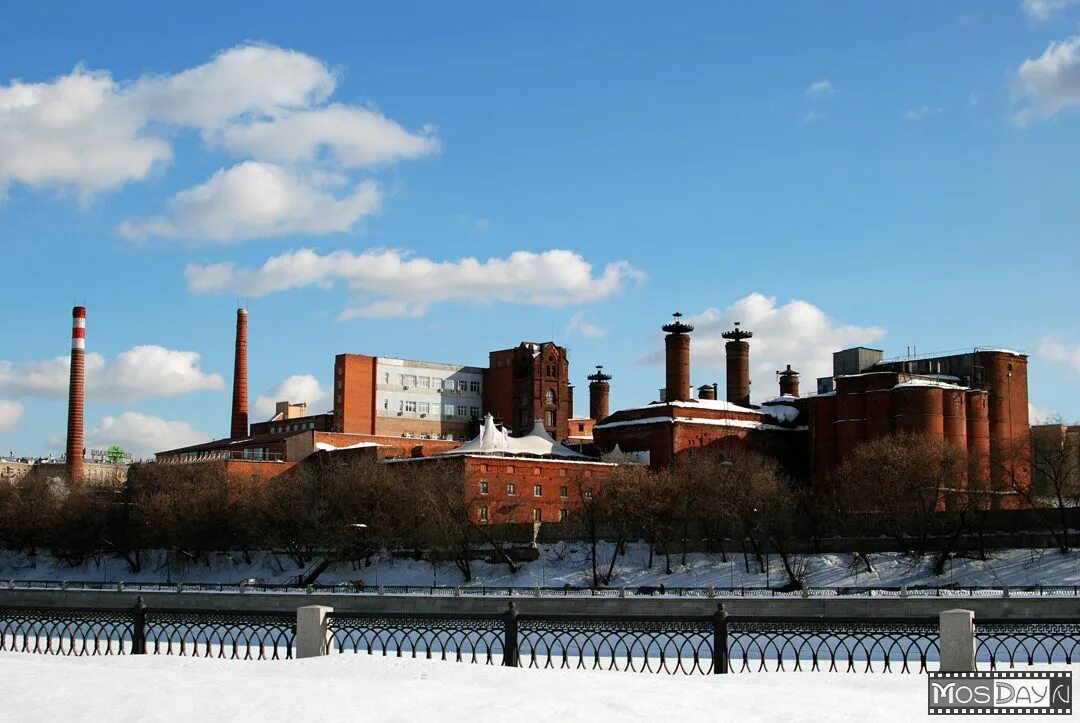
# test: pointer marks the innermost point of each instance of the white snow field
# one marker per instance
(362, 688)
(568, 563)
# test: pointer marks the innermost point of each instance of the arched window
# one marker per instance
(549, 397)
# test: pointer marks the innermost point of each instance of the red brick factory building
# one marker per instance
(398, 409)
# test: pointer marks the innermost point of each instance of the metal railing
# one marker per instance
(682, 644)
(141, 630)
(352, 588)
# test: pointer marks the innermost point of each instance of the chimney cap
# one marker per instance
(789, 372)
(737, 334)
(599, 375)
(677, 326)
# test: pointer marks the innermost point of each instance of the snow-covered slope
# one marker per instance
(569, 564)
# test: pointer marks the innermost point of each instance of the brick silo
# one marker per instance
(677, 348)
(1005, 376)
(976, 403)
(822, 416)
(239, 426)
(76, 444)
(954, 418)
(738, 365)
(850, 423)
(707, 392)
(789, 382)
(918, 410)
(599, 393)
(879, 413)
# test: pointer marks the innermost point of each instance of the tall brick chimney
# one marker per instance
(789, 382)
(677, 346)
(599, 392)
(239, 428)
(76, 397)
(738, 366)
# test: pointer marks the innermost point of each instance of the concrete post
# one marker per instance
(957, 640)
(312, 634)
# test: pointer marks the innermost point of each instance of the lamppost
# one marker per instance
(359, 527)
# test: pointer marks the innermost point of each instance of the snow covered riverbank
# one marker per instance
(569, 564)
(359, 687)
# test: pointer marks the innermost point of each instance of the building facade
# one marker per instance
(413, 399)
(528, 382)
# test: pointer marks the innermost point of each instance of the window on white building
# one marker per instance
(448, 410)
(450, 385)
(423, 382)
(424, 408)
(408, 380)
(410, 405)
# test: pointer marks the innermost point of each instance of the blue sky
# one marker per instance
(899, 175)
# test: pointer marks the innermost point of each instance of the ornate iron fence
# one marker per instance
(214, 634)
(140, 630)
(478, 639)
(690, 645)
(1008, 643)
(836, 645)
(70, 631)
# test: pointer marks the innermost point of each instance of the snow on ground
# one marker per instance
(568, 563)
(360, 687)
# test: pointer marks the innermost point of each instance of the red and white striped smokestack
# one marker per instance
(239, 428)
(76, 396)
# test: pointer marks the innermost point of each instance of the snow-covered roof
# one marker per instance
(780, 412)
(716, 404)
(782, 399)
(496, 440)
(740, 423)
(927, 383)
(324, 447)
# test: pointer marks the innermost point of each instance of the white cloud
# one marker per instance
(353, 137)
(1038, 415)
(10, 414)
(578, 325)
(813, 117)
(820, 89)
(73, 132)
(142, 435)
(88, 132)
(797, 333)
(1052, 350)
(917, 114)
(405, 285)
(143, 371)
(258, 200)
(1043, 10)
(296, 389)
(1051, 82)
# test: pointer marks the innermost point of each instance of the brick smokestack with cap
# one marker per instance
(76, 397)
(677, 347)
(599, 393)
(738, 365)
(789, 382)
(239, 428)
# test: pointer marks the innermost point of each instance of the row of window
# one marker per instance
(292, 427)
(537, 514)
(434, 408)
(446, 385)
(538, 490)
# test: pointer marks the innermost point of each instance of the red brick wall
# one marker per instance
(391, 446)
(524, 474)
(354, 393)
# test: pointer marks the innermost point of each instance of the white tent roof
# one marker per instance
(496, 440)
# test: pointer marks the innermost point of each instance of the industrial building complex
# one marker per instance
(509, 430)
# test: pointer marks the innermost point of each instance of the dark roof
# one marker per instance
(227, 444)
